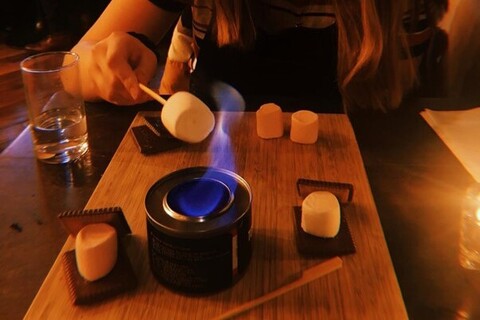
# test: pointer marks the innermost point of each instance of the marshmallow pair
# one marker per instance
(304, 124)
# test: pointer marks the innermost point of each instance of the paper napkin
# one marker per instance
(460, 131)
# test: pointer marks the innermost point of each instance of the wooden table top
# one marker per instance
(365, 287)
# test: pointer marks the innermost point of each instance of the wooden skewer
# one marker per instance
(152, 93)
(307, 276)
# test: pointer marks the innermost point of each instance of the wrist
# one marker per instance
(145, 41)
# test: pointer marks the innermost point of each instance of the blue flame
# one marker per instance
(232, 106)
(207, 195)
(199, 197)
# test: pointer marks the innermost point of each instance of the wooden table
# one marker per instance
(365, 287)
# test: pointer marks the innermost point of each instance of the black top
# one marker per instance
(295, 63)
(281, 68)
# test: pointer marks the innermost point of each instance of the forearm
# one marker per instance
(113, 62)
(132, 15)
(90, 91)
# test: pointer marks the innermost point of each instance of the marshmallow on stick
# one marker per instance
(321, 214)
(185, 116)
(96, 250)
(269, 121)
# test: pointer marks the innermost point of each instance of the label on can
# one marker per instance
(198, 265)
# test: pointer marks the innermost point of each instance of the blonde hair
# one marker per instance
(371, 71)
(233, 23)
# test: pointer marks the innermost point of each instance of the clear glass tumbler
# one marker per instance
(55, 106)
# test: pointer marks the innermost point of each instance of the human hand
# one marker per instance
(118, 64)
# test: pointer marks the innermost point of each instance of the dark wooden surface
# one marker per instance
(13, 114)
(33, 193)
(418, 186)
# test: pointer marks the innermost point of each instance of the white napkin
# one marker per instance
(460, 131)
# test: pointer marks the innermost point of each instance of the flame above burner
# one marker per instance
(199, 198)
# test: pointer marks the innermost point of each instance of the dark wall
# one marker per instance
(26, 21)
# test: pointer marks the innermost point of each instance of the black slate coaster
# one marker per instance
(156, 125)
(120, 280)
(74, 220)
(313, 246)
(343, 191)
(150, 143)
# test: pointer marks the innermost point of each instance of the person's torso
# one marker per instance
(293, 60)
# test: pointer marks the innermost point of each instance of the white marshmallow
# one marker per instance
(96, 250)
(187, 118)
(321, 214)
(269, 121)
(304, 127)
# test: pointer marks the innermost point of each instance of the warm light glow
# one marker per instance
(477, 206)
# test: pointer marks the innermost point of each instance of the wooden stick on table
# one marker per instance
(307, 276)
(152, 93)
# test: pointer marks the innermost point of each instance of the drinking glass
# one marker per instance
(56, 108)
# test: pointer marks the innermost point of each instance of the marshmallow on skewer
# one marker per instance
(269, 121)
(96, 250)
(185, 116)
(321, 214)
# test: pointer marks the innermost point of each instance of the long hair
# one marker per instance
(374, 67)
(233, 23)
